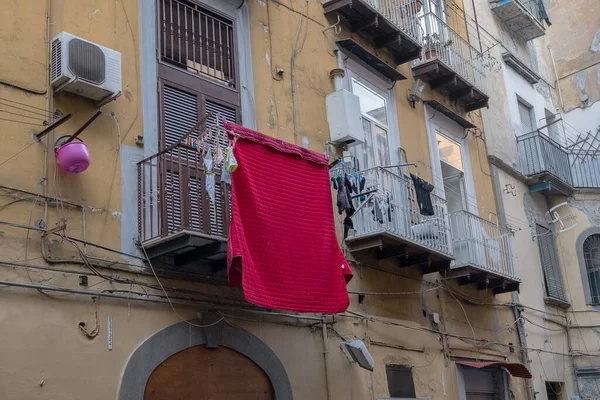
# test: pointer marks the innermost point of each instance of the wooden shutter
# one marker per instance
(186, 203)
(550, 263)
(525, 112)
(180, 113)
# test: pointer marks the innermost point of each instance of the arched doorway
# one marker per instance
(203, 358)
(206, 374)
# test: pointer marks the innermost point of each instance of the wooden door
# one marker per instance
(198, 373)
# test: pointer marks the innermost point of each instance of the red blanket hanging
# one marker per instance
(282, 247)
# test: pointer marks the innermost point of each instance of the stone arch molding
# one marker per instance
(175, 338)
(582, 267)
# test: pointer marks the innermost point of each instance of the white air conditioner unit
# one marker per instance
(345, 120)
(84, 68)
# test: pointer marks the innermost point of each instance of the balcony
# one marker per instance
(483, 254)
(449, 63)
(388, 220)
(178, 225)
(545, 163)
(523, 17)
(390, 24)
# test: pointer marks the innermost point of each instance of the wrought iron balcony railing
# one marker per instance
(172, 199)
(440, 42)
(481, 244)
(391, 209)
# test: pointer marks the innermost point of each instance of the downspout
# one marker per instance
(562, 104)
(570, 347)
(48, 144)
(523, 354)
(325, 357)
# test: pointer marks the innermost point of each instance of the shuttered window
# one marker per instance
(186, 202)
(550, 264)
(197, 74)
(527, 120)
(591, 253)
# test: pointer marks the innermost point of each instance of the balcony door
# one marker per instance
(379, 119)
(373, 107)
(198, 78)
(450, 158)
(453, 174)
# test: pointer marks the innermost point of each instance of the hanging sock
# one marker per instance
(210, 189)
(343, 201)
(348, 224)
(208, 160)
(225, 175)
(230, 161)
(377, 213)
(218, 159)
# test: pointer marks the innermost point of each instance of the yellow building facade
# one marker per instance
(85, 315)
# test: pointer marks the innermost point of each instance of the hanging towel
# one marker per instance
(377, 211)
(283, 249)
(423, 191)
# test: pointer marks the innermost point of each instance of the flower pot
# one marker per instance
(414, 6)
(72, 157)
(431, 53)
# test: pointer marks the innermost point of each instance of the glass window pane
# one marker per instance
(371, 103)
(449, 151)
(364, 153)
(381, 144)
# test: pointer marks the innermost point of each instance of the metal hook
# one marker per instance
(337, 27)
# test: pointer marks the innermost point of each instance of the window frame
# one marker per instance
(438, 123)
(521, 101)
(583, 236)
(501, 381)
(405, 371)
(384, 88)
(207, 8)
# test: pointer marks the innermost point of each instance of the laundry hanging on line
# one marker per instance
(423, 191)
(282, 247)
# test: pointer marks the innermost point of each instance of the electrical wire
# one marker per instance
(20, 122)
(17, 153)
(26, 105)
(21, 115)
(46, 115)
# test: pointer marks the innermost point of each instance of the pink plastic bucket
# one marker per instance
(73, 157)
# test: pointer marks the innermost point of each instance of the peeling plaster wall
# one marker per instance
(575, 40)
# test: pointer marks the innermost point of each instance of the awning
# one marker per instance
(436, 105)
(351, 47)
(517, 370)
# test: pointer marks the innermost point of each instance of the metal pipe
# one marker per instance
(562, 105)
(325, 356)
(338, 74)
